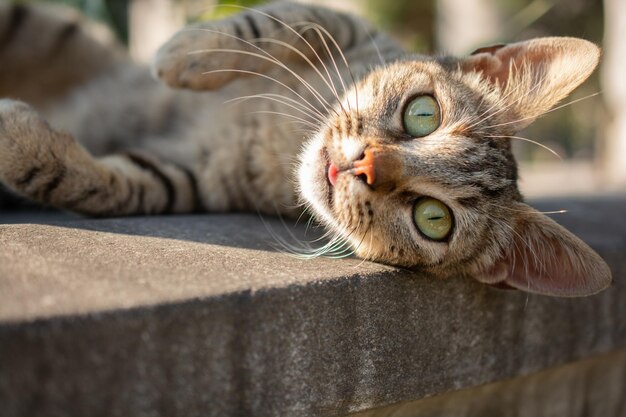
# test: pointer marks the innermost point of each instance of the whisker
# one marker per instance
(312, 26)
(536, 257)
(562, 211)
(549, 111)
(320, 115)
(299, 119)
(258, 74)
(502, 100)
(371, 38)
(328, 82)
(307, 85)
(345, 61)
(252, 45)
(547, 148)
(261, 96)
(286, 26)
(369, 249)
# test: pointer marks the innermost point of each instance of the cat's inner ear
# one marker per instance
(545, 258)
(534, 75)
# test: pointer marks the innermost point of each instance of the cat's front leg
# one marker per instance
(52, 168)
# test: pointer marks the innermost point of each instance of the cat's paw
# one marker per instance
(29, 148)
(186, 60)
(208, 55)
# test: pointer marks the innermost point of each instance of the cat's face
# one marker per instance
(454, 164)
(416, 169)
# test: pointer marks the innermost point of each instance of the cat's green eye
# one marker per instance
(422, 116)
(432, 218)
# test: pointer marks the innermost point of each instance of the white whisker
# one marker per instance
(307, 85)
(267, 54)
(547, 148)
(345, 61)
(549, 111)
(276, 100)
(299, 119)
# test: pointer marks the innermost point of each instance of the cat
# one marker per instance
(405, 157)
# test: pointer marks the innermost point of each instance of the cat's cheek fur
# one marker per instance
(311, 183)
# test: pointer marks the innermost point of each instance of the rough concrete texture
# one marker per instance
(594, 387)
(200, 316)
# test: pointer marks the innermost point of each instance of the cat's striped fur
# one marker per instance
(147, 148)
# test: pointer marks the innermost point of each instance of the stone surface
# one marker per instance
(594, 387)
(202, 316)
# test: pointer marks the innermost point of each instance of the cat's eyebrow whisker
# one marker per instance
(262, 76)
(268, 57)
(320, 98)
(299, 119)
(318, 30)
(328, 81)
(288, 27)
(313, 118)
(549, 111)
(302, 130)
(276, 100)
(285, 25)
(345, 61)
(562, 211)
(332, 59)
(371, 38)
(547, 148)
(319, 114)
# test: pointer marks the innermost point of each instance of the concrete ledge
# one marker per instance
(199, 316)
(593, 387)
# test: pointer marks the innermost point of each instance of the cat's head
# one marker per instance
(415, 167)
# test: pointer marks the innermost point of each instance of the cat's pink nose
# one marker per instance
(365, 166)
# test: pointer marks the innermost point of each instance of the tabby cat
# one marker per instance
(405, 157)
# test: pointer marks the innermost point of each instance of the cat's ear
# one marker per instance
(534, 75)
(543, 257)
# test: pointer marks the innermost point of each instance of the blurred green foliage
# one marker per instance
(412, 21)
(221, 9)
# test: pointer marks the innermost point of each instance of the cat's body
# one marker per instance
(361, 169)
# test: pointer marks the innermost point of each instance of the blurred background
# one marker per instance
(589, 135)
